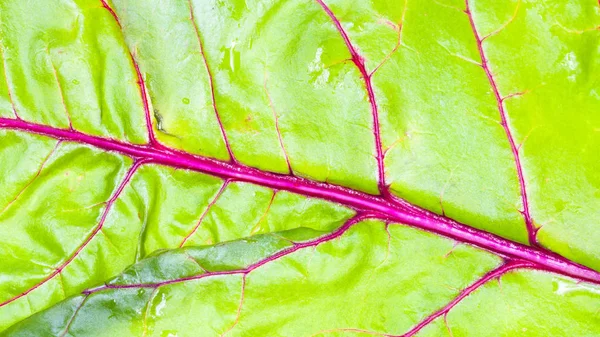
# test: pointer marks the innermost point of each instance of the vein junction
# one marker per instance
(381, 206)
(368, 206)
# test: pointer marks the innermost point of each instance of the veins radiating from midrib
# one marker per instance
(360, 201)
(497, 273)
(359, 61)
(303, 186)
(531, 229)
(98, 228)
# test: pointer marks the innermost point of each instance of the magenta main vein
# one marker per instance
(383, 207)
(140, 82)
(531, 230)
(359, 61)
(93, 234)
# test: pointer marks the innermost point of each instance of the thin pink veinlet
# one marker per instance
(96, 230)
(531, 230)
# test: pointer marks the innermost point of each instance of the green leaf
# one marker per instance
(373, 278)
(321, 167)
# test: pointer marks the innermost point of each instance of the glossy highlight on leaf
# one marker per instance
(299, 168)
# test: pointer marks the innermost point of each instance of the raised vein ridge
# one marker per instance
(359, 62)
(140, 82)
(496, 273)
(211, 83)
(382, 207)
(94, 232)
(284, 252)
(531, 229)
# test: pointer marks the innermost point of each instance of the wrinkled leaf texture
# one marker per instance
(299, 168)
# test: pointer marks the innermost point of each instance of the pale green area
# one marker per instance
(6, 109)
(49, 215)
(265, 214)
(302, 80)
(440, 121)
(334, 289)
(527, 304)
(168, 51)
(445, 146)
(557, 58)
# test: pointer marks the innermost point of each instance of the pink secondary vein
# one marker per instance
(297, 246)
(140, 82)
(531, 230)
(496, 273)
(96, 230)
(384, 208)
(359, 62)
(211, 84)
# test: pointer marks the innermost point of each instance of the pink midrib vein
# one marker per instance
(382, 207)
(90, 237)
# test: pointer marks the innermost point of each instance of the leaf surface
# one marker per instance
(354, 167)
(363, 273)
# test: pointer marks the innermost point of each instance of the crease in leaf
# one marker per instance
(170, 274)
